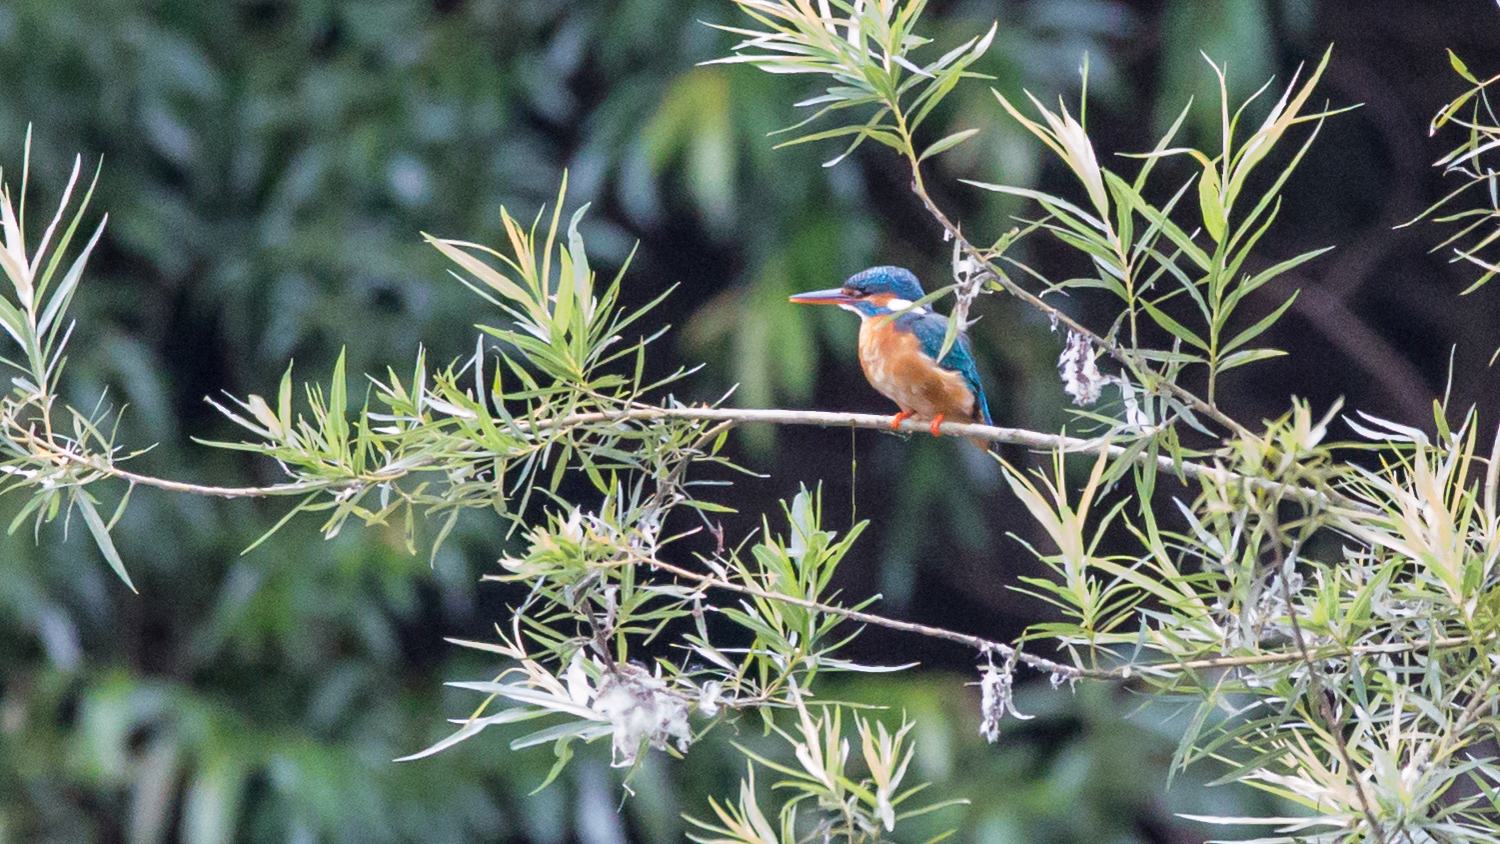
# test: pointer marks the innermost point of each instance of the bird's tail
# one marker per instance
(992, 446)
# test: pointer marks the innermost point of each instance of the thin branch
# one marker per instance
(1122, 672)
(1320, 655)
(733, 416)
(977, 642)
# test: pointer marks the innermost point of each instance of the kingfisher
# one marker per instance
(898, 349)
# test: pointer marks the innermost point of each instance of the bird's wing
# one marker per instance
(930, 329)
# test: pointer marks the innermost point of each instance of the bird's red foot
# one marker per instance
(936, 421)
(896, 420)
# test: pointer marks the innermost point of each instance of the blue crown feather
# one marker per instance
(895, 280)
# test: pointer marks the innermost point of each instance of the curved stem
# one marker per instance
(726, 417)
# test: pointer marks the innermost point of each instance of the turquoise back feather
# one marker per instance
(930, 329)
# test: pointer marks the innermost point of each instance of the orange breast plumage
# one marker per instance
(895, 366)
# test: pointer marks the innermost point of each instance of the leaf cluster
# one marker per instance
(1328, 623)
(46, 446)
(1325, 609)
(865, 49)
(845, 806)
(551, 421)
(1473, 162)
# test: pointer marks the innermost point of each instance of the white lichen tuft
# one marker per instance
(1080, 376)
(990, 709)
(996, 698)
(641, 711)
(968, 281)
(708, 699)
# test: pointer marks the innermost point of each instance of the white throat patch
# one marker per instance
(903, 304)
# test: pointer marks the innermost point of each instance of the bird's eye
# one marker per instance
(854, 291)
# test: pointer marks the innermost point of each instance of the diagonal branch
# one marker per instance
(1068, 672)
(1119, 672)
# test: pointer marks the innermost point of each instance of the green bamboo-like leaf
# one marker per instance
(306, 504)
(1174, 233)
(494, 279)
(563, 300)
(1090, 242)
(1175, 328)
(1461, 68)
(1243, 249)
(64, 293)
(1448, 111)
(284, 402)
(1274, 191)
(14, 322)
(1247, 356)
(1052, 202)
(45, 277)
(1283, 116)
(923, 104)
(1470, 253)
(839, 132)
(36, 504)
(336, 426)
(1211, 203)
(120, 508)
(473, 727)
(1259, 327)
(101, 536)
(586, 730)
(564, 752)
(947, 143)
(582, 277)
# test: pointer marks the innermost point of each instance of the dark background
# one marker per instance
(267, 167)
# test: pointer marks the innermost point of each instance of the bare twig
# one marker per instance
(1321, 655)
(978, 642)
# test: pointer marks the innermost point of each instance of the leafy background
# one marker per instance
(267, 167)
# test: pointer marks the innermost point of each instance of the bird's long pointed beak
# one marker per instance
(831, 296)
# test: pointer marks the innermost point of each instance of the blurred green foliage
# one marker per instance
(268, 165)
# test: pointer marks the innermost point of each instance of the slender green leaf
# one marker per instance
(947, 143)
(1174, 327)
(1259, 327)
(101, 535)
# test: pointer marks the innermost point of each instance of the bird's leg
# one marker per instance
(936, 421)
(896, 420)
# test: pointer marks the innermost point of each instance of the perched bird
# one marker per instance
(899, 345)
